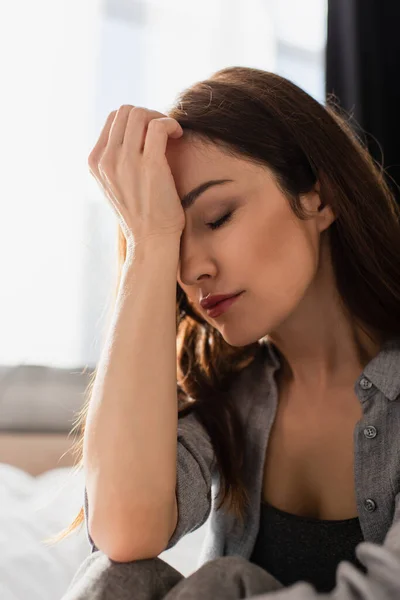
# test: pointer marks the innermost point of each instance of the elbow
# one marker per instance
(128, 542)
(125, 550)
(133, 553)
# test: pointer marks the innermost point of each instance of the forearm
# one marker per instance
(130, 440)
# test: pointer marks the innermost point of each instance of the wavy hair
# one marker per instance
(258, 115)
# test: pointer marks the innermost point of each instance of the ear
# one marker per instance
(322, 213)
(326, 217)
(325, 214)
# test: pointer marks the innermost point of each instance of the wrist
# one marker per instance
(160, 246)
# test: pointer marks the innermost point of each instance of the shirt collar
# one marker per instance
(383, 371)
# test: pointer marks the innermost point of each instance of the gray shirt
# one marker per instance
(376, 478)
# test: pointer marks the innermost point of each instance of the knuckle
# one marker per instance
(105, 164)
(156, 123)
(125, 107)
(93, 160)
(139, 112)
(103, 160)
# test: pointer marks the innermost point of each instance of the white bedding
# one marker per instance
(34, 508)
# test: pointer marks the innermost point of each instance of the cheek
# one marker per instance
(283, 267)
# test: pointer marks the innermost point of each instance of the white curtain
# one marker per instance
(65, 65)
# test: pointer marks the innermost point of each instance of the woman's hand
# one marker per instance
(129, 163)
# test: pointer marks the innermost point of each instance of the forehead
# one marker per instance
(193, 161)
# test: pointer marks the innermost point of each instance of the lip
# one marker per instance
(217, 309)
(214, 299)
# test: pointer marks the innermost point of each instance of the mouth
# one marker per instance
(221, 307)
(213, 299)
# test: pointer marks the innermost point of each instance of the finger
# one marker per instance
(136, 129)
(98, 150)
(117, 132)
(158, 133)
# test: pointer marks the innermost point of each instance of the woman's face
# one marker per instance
(262, 249)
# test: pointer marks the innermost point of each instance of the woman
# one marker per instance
(288, 395)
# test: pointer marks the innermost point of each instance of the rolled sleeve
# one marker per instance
(195, 458)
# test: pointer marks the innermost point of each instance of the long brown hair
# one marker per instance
(263, 117)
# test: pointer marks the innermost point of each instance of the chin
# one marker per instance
(239, 339)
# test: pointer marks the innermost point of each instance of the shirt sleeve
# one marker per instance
(381, 582)
(195, 456)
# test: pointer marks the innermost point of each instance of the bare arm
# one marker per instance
(130, 441)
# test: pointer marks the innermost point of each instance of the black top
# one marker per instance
(294, 548)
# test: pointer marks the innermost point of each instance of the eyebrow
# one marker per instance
(190, 198)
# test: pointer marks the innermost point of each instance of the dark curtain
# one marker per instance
(363, 72)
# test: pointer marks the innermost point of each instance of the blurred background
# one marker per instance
(65, 65)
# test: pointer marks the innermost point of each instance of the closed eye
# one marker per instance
(220, 221)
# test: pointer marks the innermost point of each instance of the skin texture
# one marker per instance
(282, 263)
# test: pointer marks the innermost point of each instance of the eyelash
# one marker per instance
(220, 222)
